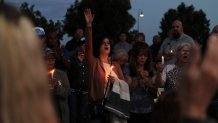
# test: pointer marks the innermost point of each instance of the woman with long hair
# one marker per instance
(99, 67)
(24, 95)
(142, 88)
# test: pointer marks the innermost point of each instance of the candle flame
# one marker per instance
(171, 51)
(112, 67)
(51, 71)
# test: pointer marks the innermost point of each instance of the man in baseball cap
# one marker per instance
(40, 33)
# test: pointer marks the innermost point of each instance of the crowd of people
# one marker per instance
(93, 80)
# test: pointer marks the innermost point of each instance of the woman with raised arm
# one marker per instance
(99, 69)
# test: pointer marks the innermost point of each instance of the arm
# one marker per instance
(89, 48)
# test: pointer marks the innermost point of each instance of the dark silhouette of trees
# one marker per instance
(111, 16)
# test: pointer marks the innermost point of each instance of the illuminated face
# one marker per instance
(105, 47)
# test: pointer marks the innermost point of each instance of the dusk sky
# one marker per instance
(152, 9)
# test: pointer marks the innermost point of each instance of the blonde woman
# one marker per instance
(24, 95)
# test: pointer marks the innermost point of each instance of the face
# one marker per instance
(123, 37)
(141, 58)
(52, 38)
(157, 40)
(50, 61)
(81, 56)
(183, 54)
(79, 33)
(140, 39)
(105, 47)
(177, 29)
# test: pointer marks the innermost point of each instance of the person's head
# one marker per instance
(167, 109)
(24, 95)
(50, 59)
(156, 40)
(78, 33)
(177, 28)
(120, 56)
(140, 37)
(183, 52)
(52, 38)
(215, 29)
(123, 37)
(80, 53)
(140, 55)
(102, 46)
(40, 32)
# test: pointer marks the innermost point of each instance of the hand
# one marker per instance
(144, 76)
(111, 78)
(128, 79)
(199, 81)
(88, 17)
(159, 67)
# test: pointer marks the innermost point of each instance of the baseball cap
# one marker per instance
(48, 51)
(39, 31)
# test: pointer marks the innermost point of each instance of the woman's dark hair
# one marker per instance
(167, 109)
(98, 40)
(136, 50)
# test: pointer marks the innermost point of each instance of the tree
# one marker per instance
(195, 23)
(111, 16)
(38, 19)
(2, 1)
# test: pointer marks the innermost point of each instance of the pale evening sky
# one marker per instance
(152, 9)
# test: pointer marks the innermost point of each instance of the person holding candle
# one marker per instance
(171, 72)
(59, 87)
(99, 70)
(170, 44)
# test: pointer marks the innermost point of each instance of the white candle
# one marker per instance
(162, 59)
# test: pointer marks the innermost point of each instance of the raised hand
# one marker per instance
(88, 17)
(199, 81)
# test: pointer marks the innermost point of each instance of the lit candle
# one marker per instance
(162, 59)
(52, 73)
(171, 51)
